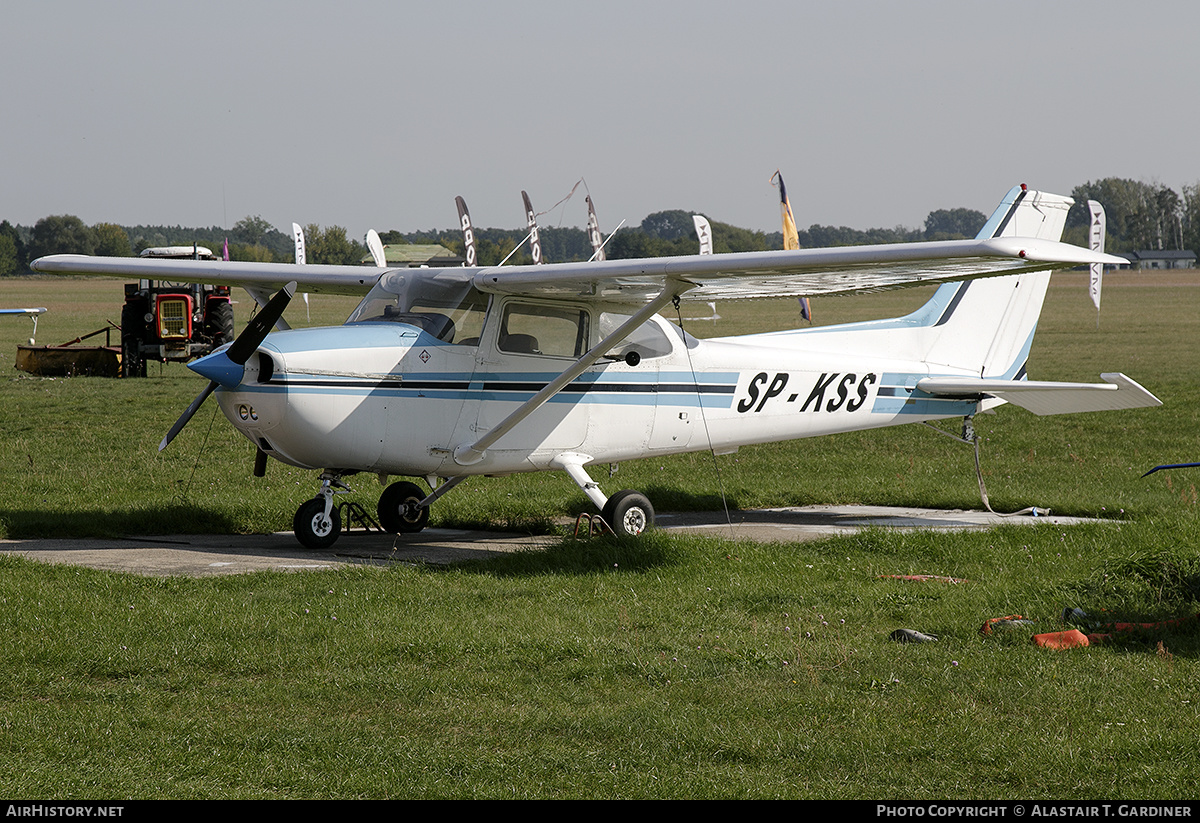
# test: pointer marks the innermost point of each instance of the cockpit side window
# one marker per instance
(556, 331)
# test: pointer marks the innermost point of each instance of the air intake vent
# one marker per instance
(266, 368)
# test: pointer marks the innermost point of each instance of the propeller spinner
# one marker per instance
(226, 367)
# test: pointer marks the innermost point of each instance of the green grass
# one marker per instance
(669, 667)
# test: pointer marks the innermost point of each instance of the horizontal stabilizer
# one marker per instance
(1044, 398)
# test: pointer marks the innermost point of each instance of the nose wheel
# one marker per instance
(318, 523)
(315, 527)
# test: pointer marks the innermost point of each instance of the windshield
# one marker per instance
(445, 305)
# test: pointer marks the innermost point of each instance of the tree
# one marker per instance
(669, 225)
(111, 240)
(60, 234)
(1190, 217)
(9, 264)
(1136, 214)
(727, 238)
(251, 254)
(953, 224)
(331, 246)
(7, 230)
(1168, 210)
(251, 230)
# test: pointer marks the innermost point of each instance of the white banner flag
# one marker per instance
(704, 232)
(1096, 243)
(375, 246)
(298, 238)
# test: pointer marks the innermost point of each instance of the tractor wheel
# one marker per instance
(133, 328)
(219, 323)
(132, 364)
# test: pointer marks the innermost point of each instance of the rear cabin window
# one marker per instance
(648, 339)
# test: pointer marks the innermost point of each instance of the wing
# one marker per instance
(1036, 217)
(356, 280)
(807, 272)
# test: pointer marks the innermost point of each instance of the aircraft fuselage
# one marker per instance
(391, 398)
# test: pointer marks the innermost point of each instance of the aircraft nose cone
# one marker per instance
(218, 368)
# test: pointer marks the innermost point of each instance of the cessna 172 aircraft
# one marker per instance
(443, 374)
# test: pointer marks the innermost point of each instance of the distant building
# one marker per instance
(415, 255)
(1159, 259)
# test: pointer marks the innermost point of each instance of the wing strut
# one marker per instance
(469, 454)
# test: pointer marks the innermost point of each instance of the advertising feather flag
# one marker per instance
(791, 237)
(704, 233)
(1096, 227)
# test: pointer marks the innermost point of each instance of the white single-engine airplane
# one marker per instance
(443, 374)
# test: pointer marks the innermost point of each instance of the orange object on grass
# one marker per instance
(1070, 639)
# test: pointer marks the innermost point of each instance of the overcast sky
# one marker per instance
(372, 114)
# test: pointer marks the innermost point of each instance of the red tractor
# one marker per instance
(173, 321)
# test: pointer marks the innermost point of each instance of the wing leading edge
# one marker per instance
(789, 273)
(354, 280)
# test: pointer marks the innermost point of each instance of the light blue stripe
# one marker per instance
(993, 223)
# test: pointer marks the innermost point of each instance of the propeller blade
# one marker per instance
(260, 326)
(239, 352)
(187, 415)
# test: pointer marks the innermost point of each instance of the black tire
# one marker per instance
(132, 364)
(219, 323)
(310, 527)
(133, 329)
(396, 508)
(629, 513)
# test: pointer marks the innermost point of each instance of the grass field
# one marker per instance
(673, 667)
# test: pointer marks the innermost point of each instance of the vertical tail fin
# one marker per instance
(986, 327)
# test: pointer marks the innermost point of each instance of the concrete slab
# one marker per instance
(812, 522)
(205, 555)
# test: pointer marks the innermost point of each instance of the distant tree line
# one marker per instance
(1138, 215)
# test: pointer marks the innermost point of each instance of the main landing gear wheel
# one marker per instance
(312, 528)
(629, 513)
(398, 510)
